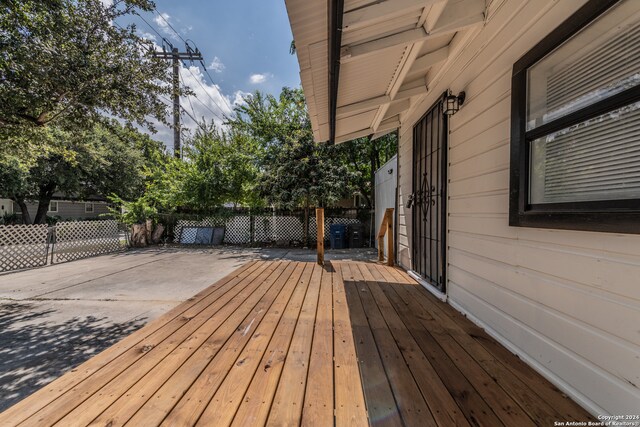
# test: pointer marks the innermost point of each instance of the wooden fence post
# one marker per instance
(320, 238)
(386, 228)
(390, 244)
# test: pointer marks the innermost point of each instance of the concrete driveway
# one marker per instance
(54, 318)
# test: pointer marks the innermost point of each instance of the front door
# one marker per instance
(428, 201)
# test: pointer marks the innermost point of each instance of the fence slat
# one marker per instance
(82, 239)
(23, 246)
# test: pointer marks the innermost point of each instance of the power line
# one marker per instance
(186, 42)
(208, 94)
(164, 40)
(169, 24)
(188, 98)
(221, 95)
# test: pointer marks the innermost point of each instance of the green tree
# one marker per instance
(363, 156)
(66, 63)
(294, 170)
(99, 161)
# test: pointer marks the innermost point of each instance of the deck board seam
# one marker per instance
(178, 345)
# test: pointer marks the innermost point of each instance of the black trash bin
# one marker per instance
(356, 236)
(338, 236)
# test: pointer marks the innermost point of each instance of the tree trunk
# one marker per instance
(26, 217)
(41, 213)
(44, 199)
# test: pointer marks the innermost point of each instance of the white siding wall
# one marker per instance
(568, 302)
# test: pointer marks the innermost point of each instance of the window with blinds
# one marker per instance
(575, 144)
(598, 158)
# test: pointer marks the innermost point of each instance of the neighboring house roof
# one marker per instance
(363, 62)
(75, 198)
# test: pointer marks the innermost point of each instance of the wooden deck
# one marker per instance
(289, 343)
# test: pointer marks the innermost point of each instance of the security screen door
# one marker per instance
(428, 201)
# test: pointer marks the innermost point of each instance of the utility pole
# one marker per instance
(176, 56)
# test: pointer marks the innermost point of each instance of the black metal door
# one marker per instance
(428, 201)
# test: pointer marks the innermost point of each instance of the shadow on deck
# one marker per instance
(293, 343)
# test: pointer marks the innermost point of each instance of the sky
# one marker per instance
(245, 44)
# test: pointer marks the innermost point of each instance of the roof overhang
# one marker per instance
(363, 63)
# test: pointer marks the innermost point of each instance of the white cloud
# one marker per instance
(163, 21)
(208, 102)
(239, 97)
(217, 65)
(107, 3)
(259, 78)
(148, 36)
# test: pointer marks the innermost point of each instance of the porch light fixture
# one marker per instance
(452, 103)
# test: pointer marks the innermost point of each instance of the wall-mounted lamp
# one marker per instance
(452, 103)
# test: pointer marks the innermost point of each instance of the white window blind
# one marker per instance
(597, 159)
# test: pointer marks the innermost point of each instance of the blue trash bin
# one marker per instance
(338, 236)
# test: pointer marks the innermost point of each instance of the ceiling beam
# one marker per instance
(389, 124)
(455, 16)
(398, 39)
(405, 93)
(353, 135)
(380, 12)
(424, 62)
(367, 104)
(397, 108)
(459, 14)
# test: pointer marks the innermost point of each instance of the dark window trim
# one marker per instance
(618, 216)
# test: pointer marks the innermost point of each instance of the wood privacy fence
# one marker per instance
(28, 246)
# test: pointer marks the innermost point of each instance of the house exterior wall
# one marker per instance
(69, 210)
(567, 302)
(6, 206)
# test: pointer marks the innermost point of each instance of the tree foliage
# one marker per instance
(99, 161)
(65, 63)
(294, 170)
(363, 157)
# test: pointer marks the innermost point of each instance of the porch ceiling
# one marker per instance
(387, 51)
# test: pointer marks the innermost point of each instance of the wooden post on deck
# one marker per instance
(320, 227)
(386, 228)
(390, 244)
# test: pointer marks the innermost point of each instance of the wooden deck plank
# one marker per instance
(152, 349)
(286, 409)
(153, 396)
(411, 402)
(318, 397)
(255, 406)
(538, 397)
(457, 367)
(285, 343)
(472, 402)
(162, 325)
(350, 409)
(159, 361)
(381, 405)
(221, 408)
(439, 399)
